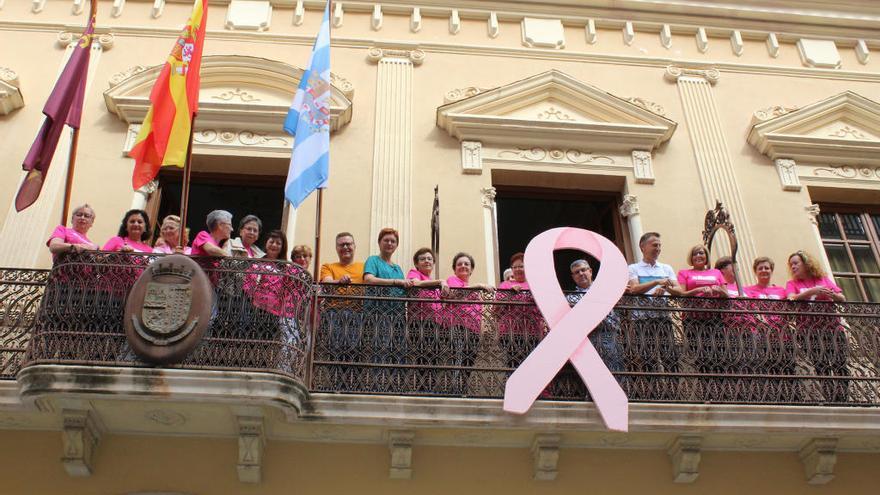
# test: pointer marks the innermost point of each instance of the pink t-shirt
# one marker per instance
(423, 311)
(795, 287)
(732, 289)
(272, 288)
(510, 284)
(165, 249)
(469, 316)
(116, 243)
(692, 279)
(70, 236)
(769, 292)
(204, 237)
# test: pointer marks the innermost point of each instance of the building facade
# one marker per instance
(621, 117)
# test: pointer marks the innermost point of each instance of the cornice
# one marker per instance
(465, 49)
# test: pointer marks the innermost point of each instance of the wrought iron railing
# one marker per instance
(269, 316)
(382, 340)
(260, 319)
(20, 293)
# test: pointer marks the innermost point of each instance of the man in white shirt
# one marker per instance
(654, 334)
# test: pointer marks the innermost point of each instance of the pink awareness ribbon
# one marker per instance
(570, 327)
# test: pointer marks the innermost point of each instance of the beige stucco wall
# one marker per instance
(673, 205)
(125, 464)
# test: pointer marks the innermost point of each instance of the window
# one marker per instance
(851, 238)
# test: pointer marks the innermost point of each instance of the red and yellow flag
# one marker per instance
(164, 135)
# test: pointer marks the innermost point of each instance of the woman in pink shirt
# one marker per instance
(430, 344)
(822, 337)
(133, 233)
(463, 321)
(170, 236)
(775, 354)
(704, 331)
(520, 327)
(66, 240)
(211, 242)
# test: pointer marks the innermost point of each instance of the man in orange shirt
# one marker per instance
(342, 320)
(346, 271)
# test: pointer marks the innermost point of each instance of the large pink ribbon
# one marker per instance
(570, 327)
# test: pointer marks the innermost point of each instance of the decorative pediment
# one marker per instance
(238, 94)
(842, 130)
(10, 95)
(554, 110)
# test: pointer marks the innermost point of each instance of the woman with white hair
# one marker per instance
(210, 242)
(65, 239)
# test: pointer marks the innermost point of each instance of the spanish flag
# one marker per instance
(165, 133)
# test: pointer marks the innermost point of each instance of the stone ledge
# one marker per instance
(40, 383)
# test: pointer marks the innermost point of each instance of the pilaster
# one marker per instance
(712, 155)
(629, 210)
(392, 144)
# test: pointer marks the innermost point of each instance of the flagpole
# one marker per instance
(184, 186)
(318, 214)
(68, 181)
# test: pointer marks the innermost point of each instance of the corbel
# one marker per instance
(819, 456)
(545, 454)
(80, 437)
(251, 442)
(685, 455)
(400, 444)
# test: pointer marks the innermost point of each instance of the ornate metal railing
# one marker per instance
(20, 293)
(387, 341)
(260, 319)
(269, 316)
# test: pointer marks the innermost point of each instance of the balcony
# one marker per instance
(361, 361)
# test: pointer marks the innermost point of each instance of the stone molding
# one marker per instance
(472, 157)
(835, 141)
(685, 456)
(498, 117)
(243, 103)
(813, 211)
(11, 98)
(643, 167)
(46, 382)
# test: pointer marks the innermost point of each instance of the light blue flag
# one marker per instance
(309, 122)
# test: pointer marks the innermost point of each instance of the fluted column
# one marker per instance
(23, 235)
(392, 145)
(712, 156)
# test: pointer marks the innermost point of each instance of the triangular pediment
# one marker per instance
(248, 92)
(553, 108)
(842, 130)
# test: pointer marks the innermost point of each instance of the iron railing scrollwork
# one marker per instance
(270, 316)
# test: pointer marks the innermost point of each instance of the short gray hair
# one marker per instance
(576, 263)
(82, 207)
(248, 219)
(216, 217)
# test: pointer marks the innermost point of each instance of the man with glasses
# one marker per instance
(341, 320)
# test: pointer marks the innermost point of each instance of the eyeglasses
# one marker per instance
(345, 244)
(424, 258)
(82, 214)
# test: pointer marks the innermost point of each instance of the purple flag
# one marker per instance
(64, 106)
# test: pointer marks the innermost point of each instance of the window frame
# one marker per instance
(864, 213)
